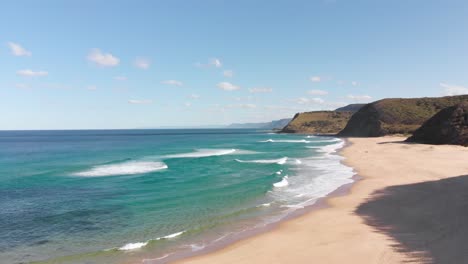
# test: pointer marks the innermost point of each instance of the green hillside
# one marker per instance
(396, 116)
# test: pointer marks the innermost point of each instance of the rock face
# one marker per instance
(449, 126)
(318, 122)
(396, 116)
(321, 122)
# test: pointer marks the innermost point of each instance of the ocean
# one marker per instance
(146, 196)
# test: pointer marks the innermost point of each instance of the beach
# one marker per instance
(409, 204)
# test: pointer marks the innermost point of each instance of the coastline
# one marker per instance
(261, 228)
(330, 226)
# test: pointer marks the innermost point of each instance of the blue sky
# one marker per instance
(142, 64)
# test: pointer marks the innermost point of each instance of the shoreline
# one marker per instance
(319, 204)
(339, 206)
(258, 230)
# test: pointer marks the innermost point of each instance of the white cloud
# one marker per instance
(18, 50)
(304, 100)
(142, 63)
(91, 87)
(120, 78)
(228, 73)
(194, 96)
(136, 101)
(261, 90)
(317, 92)
(103, 59)
(450, 89)
(31, 73)
(216, 63)
(21, 86)
(354, 83)
(315, 79)
(227, 86)
(188, 104)
(172, 82)
(359, 98)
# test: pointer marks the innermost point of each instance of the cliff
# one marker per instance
(396, 116)
(318, 122)
(448, 126)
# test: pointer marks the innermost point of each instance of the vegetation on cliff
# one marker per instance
(396, 116)
(350, 108)
(318, 122)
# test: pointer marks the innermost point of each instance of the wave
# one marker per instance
(279, 172)
(171, 235)
(202, 153)
(332, 148)
(133, 246)
(138, 245)
(285, 141)
(124, 168)
(272, 161)
(283, 183)
(317, 176)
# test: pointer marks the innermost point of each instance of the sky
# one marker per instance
(148, 64)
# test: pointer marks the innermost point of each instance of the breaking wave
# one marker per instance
(124, 168)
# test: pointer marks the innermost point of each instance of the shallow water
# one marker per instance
(117, 195)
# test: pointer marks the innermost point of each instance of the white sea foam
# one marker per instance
(285, 141)
(171, 235)
(313, 178)
(197, 247)
(124, 168)
(283, 183)
(333, 147)
(298, 161)
(295, 206)
(138, 245)
(279, 172)
(201, 153)
(156, 259)
(266, 161)
(133, 246)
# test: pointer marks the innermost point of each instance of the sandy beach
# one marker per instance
(410, 204)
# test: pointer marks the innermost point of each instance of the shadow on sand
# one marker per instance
(428, 221)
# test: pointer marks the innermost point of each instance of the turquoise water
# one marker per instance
(144, 195)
